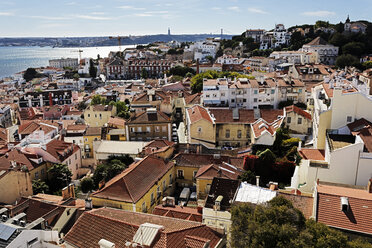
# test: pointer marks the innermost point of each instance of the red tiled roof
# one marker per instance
(222, 115)
(357, 218)
(60, 149)
(135, 181)
(197, 113)
(115, 121)
(120, 227)
(299, 111)
(199, 160)
(211, 171)
(185, 213)
(146, 117)
(261, 126)
(366, 135)
(358, 125)
(312, 154)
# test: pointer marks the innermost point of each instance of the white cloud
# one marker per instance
(53, 25)
(319, 13)
(71, 3)
(53, 18)
(6, 14)
(157, 12)
(130, 7)
(234, 8)
(97, 13)
(216, 8)
(142, 14)
(257, 11)
(91, 17)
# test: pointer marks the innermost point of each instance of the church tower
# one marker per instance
(347, 25)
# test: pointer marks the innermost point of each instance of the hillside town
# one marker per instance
(167, 144)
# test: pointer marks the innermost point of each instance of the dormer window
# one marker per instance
(344, 204)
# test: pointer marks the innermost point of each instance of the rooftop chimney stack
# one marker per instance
(369, 186)
(257, 181)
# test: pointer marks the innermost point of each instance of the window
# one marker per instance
(244, 100)
(207, 96)
(95, 115)
(69, 161)
(157, 129)
(255, 92)
(222, 94)
(164, 186)
(163, 129)
(132, 130)
(100, 116)
(42, 172)
(272, 91)
(170, 179)
(88, 115)
(86, 139)
(227, 134)
(299, 121)
(180, 174)
(144, 207)
(289, 120)
(152, 198)
(299, 90)
(239, 135)
(349, 119)
(37, 175)
(194, 174)
(148, 129)
(254, 99)
(158, 192)
(75, 156)
(232, 100)
(199, 129)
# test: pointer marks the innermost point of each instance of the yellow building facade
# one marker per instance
(98, 115)
(13, 185)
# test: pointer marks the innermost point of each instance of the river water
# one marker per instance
(16, 59)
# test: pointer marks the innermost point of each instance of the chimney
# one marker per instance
(197, 66)
(369, 186)
(273, 186)
(88, 204)
(257, 181)
(103, 243)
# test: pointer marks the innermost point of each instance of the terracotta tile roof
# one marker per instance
(366, 135)
(76, 127)
(225, 187)
(357, 218)
(146, 117)
(4, 134)
(317, 41)
(358, 125)
(329, 91)
(29, 127)
(299, 111)
(197, 113)
(199, 160)
(160, 143)
(60, 149)
(93, 131)
(301, 202)
(185, 213)
(134, 182)
(271, 115)
(222, 170)
(261, 126)
(116, 121)
(120, 227)
(312, 154)
(222, 115)
(193, 99)
(101, 108)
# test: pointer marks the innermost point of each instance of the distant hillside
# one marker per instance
(103, 41)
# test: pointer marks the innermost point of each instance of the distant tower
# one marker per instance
(169, 31)
(221, 33)
(347, 25)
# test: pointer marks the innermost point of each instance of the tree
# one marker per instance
(366, 65)
(122, 110)
(279, 224)
(144, 73)
(30, 74)
(39, 186)
(354, 48)
(60, 177)
(112, 167)
(81, 105)
(346, 60)
(97, 99)
(92, 69)
(248, 176)
(87, 184)
(181, 71)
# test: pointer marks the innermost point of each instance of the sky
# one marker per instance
(62, 18)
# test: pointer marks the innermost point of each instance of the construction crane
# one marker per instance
(119, 40)
(78, 51)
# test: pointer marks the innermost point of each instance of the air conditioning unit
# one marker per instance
(4, 217)
(22, 223)
(170, 185)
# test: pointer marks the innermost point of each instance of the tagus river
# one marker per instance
(16, 59)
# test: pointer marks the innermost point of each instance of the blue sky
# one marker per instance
(20, 18)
